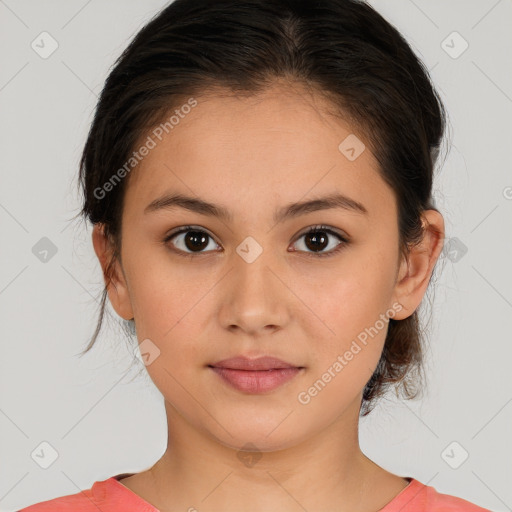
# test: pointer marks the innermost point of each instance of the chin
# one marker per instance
(267, 437)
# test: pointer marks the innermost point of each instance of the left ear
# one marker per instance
(415, 272)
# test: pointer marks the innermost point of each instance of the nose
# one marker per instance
(255, 298)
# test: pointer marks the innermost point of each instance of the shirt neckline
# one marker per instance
(119, 490)
(407, 494)
(112, 486)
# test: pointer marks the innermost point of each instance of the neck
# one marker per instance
(324, 472)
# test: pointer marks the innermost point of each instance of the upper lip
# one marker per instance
(260, 363)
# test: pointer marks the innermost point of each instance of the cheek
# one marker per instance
(161, 293)
(352, 310)
(172, 323)
(345, 356)
(171, 307)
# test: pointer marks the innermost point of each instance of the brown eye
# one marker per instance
(316, 241)
(190, 240)
(318, 238)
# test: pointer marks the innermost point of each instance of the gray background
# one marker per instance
(94, 411)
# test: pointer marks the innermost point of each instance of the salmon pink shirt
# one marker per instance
(112, 496)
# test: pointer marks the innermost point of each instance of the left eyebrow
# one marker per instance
(292, 210)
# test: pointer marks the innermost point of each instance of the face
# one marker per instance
(254, 282)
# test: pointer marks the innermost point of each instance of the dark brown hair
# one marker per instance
(342, 50)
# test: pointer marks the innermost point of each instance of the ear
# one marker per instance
(414, 274)
(117, 288)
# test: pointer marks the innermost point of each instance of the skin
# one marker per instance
(253, 155)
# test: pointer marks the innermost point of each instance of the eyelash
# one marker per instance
(313, 229)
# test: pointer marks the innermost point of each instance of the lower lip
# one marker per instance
(256, 381)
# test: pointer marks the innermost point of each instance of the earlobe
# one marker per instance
(415, 273)
(113, 277)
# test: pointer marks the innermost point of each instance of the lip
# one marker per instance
(260, 363)
(255, 375)
(256, 381)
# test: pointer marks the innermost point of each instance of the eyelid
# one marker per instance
(184, 229)
(328, 229)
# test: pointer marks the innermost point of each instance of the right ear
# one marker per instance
(117, 288)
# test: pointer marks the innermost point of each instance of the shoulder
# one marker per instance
(103, 495)
(436, 501)
(79, 502)
(418, 497)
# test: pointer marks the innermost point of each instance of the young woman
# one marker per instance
(259, 177)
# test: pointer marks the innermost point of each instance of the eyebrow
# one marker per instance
(292, 210)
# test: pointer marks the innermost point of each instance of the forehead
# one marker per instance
(276, 147)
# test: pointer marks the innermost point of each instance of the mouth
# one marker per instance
(255, 375)
(260, 363)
